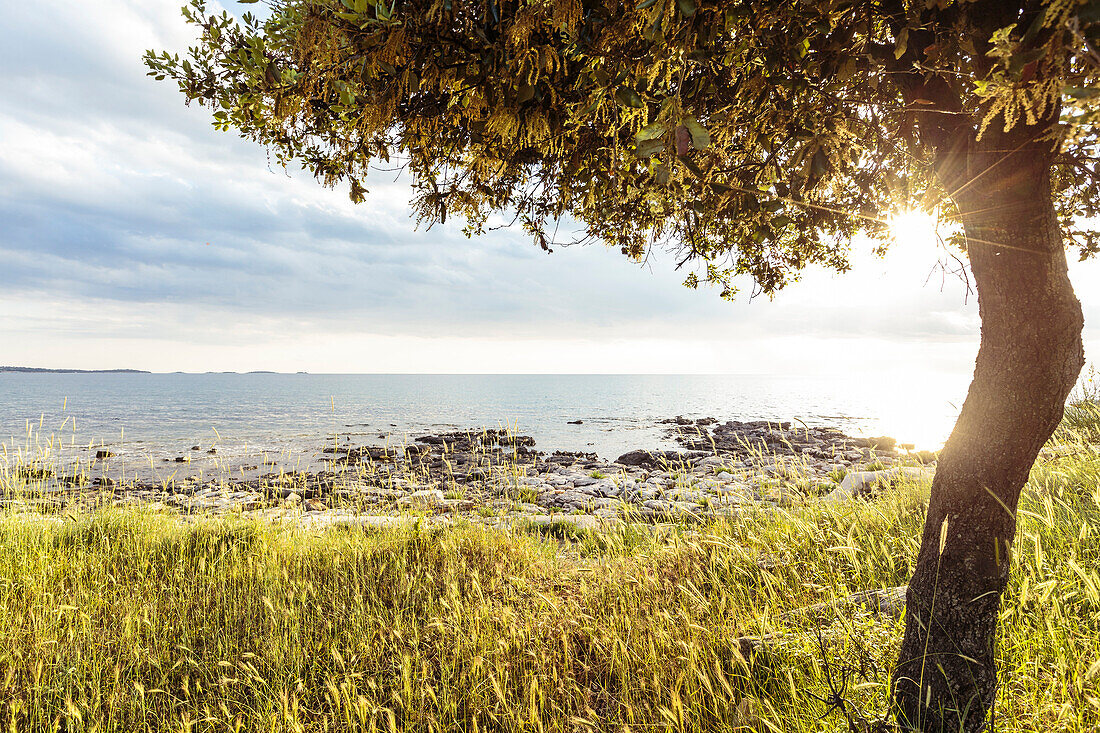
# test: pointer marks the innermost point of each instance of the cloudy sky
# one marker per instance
(134, 235)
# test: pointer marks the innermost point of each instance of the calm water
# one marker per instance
(150, 417)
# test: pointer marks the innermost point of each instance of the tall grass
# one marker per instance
(130, 620)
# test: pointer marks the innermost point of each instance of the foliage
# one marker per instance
(755, 138)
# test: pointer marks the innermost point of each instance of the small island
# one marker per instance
(39, 370)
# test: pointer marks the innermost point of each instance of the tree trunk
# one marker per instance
(1030, 357)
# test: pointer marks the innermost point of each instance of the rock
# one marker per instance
(925, 456)
(377, 493)
(364, 521)
(863, 483)
(580, 521)
(568, 499)
(654, 459)
(750, 647)
(607, 488)
(427, 499)
(883, 602)
(882, 442)
(635, 458)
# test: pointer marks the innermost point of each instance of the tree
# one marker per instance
(753, 138)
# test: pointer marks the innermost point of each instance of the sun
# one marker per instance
(914, 229)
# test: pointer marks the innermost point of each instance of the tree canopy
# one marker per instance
(752, 137)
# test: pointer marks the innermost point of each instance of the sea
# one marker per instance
(152, 422)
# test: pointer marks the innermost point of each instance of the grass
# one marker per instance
(131, 620)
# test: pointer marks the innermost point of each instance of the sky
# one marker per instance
(134, 235)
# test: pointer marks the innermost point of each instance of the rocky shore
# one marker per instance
(497, 476)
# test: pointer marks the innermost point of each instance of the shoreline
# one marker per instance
(719, 469)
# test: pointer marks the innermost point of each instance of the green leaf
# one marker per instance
(902, 43)
(700, 138)
(650, 131)
(695, 170)
(687, 7)
(1036, 26)
(819, 165)
(646, 4)
(1081, 92)
(628, 97)
(649, 148)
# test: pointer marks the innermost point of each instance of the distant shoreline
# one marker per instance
(38, 370)
(43, 370)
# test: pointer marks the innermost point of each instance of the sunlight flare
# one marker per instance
(915, 230)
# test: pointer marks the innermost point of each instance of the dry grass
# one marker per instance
(132, 620)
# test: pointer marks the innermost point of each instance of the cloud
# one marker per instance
(127, 217)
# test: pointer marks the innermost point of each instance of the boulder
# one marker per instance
(882, 443)
(654, 459)
(863, 484)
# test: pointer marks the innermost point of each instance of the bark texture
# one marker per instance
(1030, 358)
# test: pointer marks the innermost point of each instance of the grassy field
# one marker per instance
(130, 620)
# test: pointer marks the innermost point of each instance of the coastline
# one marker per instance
(720, 469)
